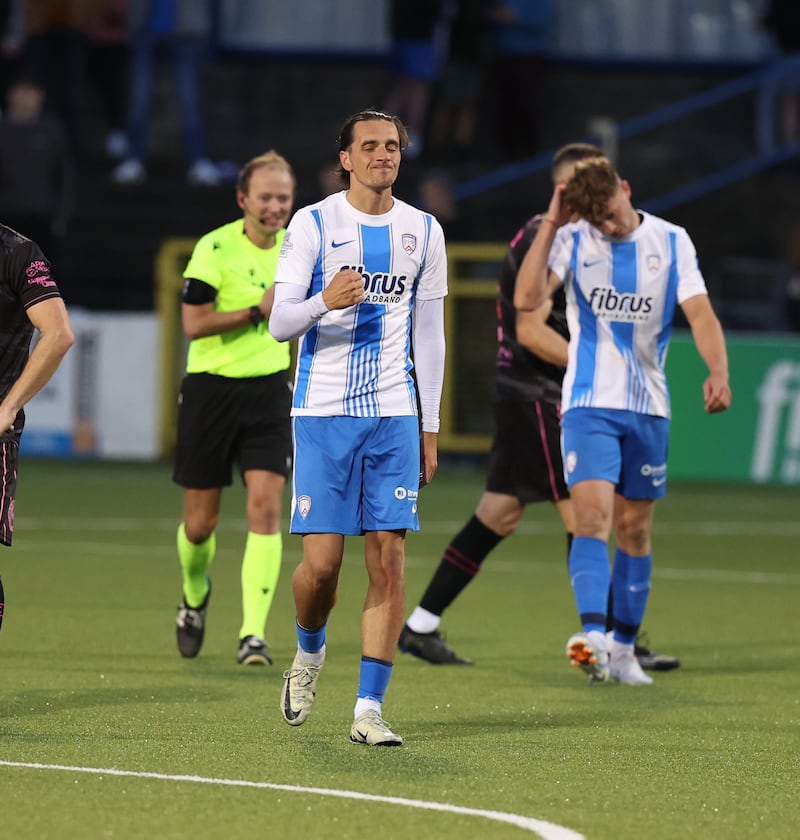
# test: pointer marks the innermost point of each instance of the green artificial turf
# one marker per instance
(91, 679)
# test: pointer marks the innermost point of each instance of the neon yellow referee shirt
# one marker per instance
(240, 272)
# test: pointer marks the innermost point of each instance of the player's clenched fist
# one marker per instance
(346, 289)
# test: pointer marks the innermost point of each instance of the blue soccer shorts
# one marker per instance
(624, 447)
(354, 474)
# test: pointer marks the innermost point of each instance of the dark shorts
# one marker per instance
(9, 458)
(525, 459)
(222, 421)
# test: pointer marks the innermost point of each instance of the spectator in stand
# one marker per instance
(12, 36)
(37, 176)
(417, 28)
(108, 72)
(520, 35)
(438, 197)
(55, 53)
(455, 112)
(782, 19)
(180, 29)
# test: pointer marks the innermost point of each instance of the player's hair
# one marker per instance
(593, 184)
(573, 153)
(346, 134)
(270, 160)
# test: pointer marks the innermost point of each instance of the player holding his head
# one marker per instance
(624, 272)
(525, 458)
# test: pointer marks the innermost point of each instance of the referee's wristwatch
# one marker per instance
(256, 316)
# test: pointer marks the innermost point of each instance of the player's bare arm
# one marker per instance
(710, 342)
(534, 282)
(56, 337)
(537, 336)
(345, 289)
(430, 456)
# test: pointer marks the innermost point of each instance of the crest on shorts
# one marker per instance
(303, 505)
(653, 263)
(409, 243)
(571, 461)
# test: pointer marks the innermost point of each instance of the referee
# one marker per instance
(234, 404)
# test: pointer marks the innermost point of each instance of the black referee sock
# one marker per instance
(2, 602)
(460, 563)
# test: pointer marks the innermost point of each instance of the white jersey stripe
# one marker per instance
(357, 361)
(621, 299)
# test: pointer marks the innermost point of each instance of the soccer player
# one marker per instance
(624, 272)
(362, 277)
(234, 404)
(525, 460)
(30, 300)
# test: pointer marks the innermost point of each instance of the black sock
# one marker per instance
(2, 602)
(460, 563)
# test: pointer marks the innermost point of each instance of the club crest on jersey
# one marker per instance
(653, 263)
(303, 505)
(409, 243)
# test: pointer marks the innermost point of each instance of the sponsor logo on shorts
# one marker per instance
(303, 505)
(658, 472)
(401, 493)
(572, 461)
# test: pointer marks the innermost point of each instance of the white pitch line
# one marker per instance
(545, 830)
(691, 528)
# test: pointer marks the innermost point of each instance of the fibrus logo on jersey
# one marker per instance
(611, 305)
(380, 287)
(303, 505)
(409, 243)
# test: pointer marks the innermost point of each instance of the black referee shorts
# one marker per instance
(224, 421)
(525, 459)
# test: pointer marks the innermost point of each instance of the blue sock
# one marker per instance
(311, 641)
(590, 577)
(374, 678)
(630, 580)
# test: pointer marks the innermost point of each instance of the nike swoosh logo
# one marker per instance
(657, 482)
(335, 244)
(590, 263)
(289, 713)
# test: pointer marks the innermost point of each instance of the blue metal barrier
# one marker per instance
(766, 79)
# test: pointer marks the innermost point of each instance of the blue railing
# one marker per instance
(766, 82)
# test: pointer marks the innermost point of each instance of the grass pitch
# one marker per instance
(105, 732)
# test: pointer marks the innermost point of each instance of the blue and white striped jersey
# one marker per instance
(357, 361)
(621, 299)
